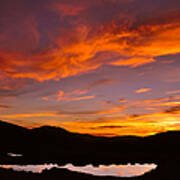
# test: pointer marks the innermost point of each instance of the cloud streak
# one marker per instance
(142, 90)
(4, 107)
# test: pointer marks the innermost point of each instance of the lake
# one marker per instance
(102, 170)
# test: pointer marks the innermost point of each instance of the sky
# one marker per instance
(102, 67)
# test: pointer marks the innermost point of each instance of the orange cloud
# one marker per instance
(134, 61)
(3, 107)
(122, 100)
(110, 110)
(103, 122)
(173, 110)
(29, 115)
(100, 82)
(173, 92)
(141, 125)
(62, 96)
(155, 104)
(80, 98)
(143, 90)
(77, 92)
(45, 98)
(69, 96)
(124, 124)
(84, 48)
(68, 9)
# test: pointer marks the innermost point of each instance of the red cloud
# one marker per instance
(143, 90)
(68, 9)
(83, 44)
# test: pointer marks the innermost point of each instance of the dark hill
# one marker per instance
(52, 144)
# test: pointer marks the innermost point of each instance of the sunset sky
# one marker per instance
(104, 67)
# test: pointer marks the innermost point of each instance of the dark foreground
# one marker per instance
(56, 145)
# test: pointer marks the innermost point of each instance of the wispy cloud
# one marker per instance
(108, 127)
(81, 94)
(109, 110)
(142, 124)
(67, 9)
(4, 106)
(45, 98)
(29, 115)
(100, 82)
(156, 104)
(173, 92)
(86, 42)
(143, 90)
(62, 96)
(173, 110)
(122, 100)
(79, 98)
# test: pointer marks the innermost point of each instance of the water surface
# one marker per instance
(102, 170)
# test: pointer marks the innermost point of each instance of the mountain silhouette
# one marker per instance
(56, 145)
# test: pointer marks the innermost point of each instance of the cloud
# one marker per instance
(29, 115)
(142, 125)
(79, 98)
(155, 104)
(122, 123)
(77, 92)
(108, 127)
(67, 96)
(4, 106)
(67, 9)
(133, 62)
(62, 96)
(100, 82)
(122, 100)
(173, 110)
(107, 102)
(142, 90)
(45, 98)
(173, 92)
(109, 110)
(104, 134)
(63, 45)
(76, 95)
